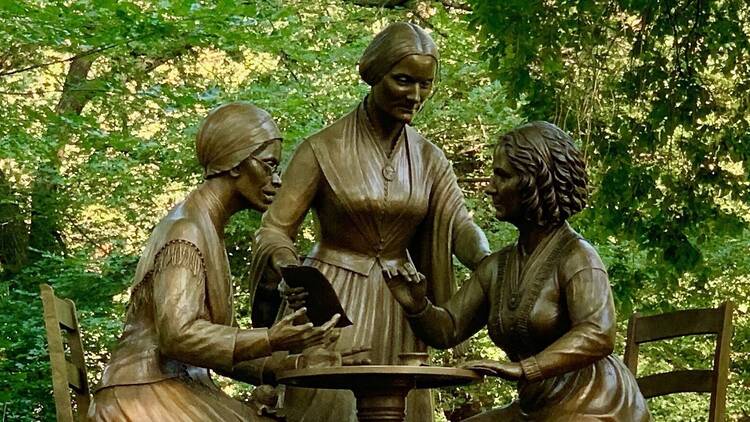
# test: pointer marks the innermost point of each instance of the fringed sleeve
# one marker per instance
(182, 319)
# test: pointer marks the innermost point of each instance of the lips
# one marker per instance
(269, 194)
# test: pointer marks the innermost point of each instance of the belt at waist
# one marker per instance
(145, 367)
(357, 262)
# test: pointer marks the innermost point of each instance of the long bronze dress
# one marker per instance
(179, 324)
(372, 208)
(553, 312)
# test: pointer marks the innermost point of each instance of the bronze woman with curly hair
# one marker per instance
(546, 299)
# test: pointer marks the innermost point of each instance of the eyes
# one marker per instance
(406, 80)
(271, 165)
(501, 174)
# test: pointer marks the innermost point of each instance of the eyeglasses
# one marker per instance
(271, 169)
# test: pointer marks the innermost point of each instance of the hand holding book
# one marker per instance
(308, 287)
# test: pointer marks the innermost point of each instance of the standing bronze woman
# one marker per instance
(180, 317)
(546, 300)
(382, 195)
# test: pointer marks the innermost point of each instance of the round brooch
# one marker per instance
(389, 172)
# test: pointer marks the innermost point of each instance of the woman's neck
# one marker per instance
(387, 129)
(531, 235)
(221, 202)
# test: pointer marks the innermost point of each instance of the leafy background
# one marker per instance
(101, 100)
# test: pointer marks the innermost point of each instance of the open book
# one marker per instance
(322, 303)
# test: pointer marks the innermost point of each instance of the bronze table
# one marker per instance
(380, 390)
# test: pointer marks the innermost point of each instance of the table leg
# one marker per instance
(382, 405)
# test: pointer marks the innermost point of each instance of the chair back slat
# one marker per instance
(718, 321)
(66, 314)
(67, 371)
(631, 347)
(687, 381)
(721, 364)
(75, 378)
(678, 324)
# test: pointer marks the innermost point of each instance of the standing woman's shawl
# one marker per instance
(447, 229)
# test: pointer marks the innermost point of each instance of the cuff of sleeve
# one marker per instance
(423, 312)
(251, 344)
(531, 369)
(278, 362)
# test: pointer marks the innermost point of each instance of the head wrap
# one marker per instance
(230, 133)
(390, 46)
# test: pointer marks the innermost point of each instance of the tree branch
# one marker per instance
(69, 59)
(390, 4)
(450, 4)
(78, 56)
(72, 100)
(426, 22)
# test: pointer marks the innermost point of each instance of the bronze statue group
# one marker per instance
(391, 217)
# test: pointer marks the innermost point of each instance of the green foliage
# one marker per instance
(103, 157)
(656, 92)
(94, 283)
(101, 101)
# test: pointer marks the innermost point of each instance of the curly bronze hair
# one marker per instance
(552, 172)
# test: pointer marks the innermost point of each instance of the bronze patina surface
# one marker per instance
(383, 196)
(180, 320)
(380, 390)
(545, 299)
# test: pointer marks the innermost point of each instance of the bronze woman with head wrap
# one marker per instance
(180, 320)
(546, 300)
(384, 196)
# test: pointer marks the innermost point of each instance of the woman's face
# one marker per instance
(405, 87)
(504, 188)
(258, 179)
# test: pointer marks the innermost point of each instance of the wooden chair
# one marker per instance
(68, 372)
(718, 321)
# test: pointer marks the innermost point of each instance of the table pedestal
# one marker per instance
(383, 402)
(380, 390)
(383, 406)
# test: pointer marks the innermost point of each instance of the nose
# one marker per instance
(414, 94)
(276, 179)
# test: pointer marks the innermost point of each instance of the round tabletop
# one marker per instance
(374, 376)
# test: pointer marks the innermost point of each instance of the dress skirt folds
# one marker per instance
(553, 312)
(577, 397)
(169, 400)
(375, 208)
(381, 327)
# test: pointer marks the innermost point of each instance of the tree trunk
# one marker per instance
(14, 235)
(47, 204)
